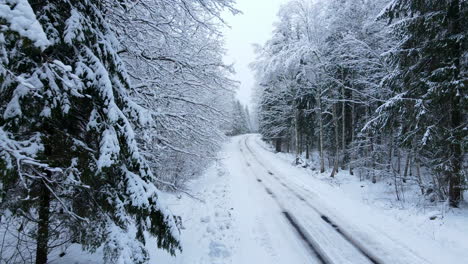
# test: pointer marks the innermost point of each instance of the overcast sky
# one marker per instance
(254, 26)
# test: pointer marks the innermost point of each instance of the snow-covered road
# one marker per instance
(258, 208)
(324, 235)
(325, 241)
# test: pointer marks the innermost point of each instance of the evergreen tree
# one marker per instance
(240, 121)
(431, 85)
(70, 168)
(248, 118)
(380, 96)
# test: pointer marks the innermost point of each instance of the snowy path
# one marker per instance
(265, 236)
(323, 238)
(335, 241)
(260, 209)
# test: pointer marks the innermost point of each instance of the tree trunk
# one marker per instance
(337, 143)
(390, 152)
(372, 151)
(399, 161)
(301, 143)
(296, 126)
(366, 149)
(278, 144)
(43, 225)
(418, 174)
(319, 117)
(455, 177)
(395, 182)
(343, 129)
(352, 135)
(405, 175)
(411, 169)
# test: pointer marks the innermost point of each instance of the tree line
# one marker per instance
(241, 121)
(376, 87)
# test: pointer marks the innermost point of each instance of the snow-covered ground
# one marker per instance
(445, 228)
(237, 222)
(239, 217)
(370, 212)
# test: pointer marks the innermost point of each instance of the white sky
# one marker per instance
(254, 26)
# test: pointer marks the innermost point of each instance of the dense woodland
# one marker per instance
(240, 120)
(102, 105)
(378, 88)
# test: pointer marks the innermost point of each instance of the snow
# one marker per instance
(23, 20)
(122, 242)
(233, 218)
(109, 149)
(19, 150)
(100, 77)
(66, 68)
(13, 108)
(46, 112)
(371, 212)
(73, 29)
(230, 226)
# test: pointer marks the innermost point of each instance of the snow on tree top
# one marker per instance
(23, 20)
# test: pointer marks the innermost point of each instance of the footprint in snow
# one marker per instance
(218, 250)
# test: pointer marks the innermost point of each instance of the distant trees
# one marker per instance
(376, 87)
(239, 119)
(101, 103)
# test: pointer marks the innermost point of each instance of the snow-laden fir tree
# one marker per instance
(431, 87)
(239, 120)
(70, 167)
(389, 98)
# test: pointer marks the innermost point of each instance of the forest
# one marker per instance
(108, 105)
(377, 88)
(102, 105)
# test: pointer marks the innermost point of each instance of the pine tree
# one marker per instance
(70, 168)
(248, 119)
(431, 85)
(240, 121)
(380, 95)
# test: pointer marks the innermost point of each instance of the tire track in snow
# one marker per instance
(306, 238)
(345, 235)
(313, 247)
